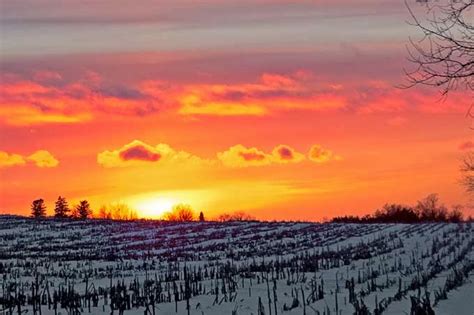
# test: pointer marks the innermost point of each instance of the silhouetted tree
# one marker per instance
(83, 209)
(180, 213)
(235, 216)
(427, 208)
(38, 208)
(455, 215)
(396, 213)
(61, 209)
(444, 56)
(117, 211)
(104, 213)
(201, 217)
(468, 172)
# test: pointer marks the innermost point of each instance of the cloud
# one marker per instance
(46, 76)
(374, 97)
(43, 158)
(25, 102)
(29, 103)
(286, 154)
(139, 153)
(304, 91)
(8, 160)
(272, 92)
(465, 146)
(40, 158)
(241, 156)
(48, 98)
(320, 155)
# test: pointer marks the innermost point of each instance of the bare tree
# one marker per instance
(235, 216)
(444, 56)
(104, 213)
(468, 170)
(117, 211)
(455, 215)
(180, 213)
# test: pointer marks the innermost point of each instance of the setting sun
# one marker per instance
(154, 207)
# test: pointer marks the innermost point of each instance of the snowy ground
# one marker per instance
(62, 267)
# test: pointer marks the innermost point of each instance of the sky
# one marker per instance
(285, 109)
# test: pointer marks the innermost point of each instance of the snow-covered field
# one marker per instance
(104, 267)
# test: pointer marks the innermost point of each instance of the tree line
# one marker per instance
(428, 209)
(121, 211)
(118, 211)
(61, 209)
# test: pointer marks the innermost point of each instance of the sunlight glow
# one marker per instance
(154, 207)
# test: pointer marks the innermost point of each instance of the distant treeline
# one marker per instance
(428, 209)
(121, 211)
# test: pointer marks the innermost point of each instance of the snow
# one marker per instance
(296, 258)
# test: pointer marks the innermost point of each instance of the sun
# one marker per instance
(154, 207)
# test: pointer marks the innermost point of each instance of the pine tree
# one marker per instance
(83, 209)
(38, 208)
(201, 217)
(61, 209)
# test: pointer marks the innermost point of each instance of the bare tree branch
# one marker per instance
(444, 56)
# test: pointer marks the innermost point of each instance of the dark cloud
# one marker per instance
(122, 92)
(285, 153)
(139, 152)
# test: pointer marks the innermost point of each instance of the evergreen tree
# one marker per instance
(38, 208)
(61, 208)
(83, 209)
(201, 217)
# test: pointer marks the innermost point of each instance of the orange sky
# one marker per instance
(291, 112)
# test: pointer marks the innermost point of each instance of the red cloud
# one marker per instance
(139, 152)
(272, 92)
(24, 102)
(285, 153)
